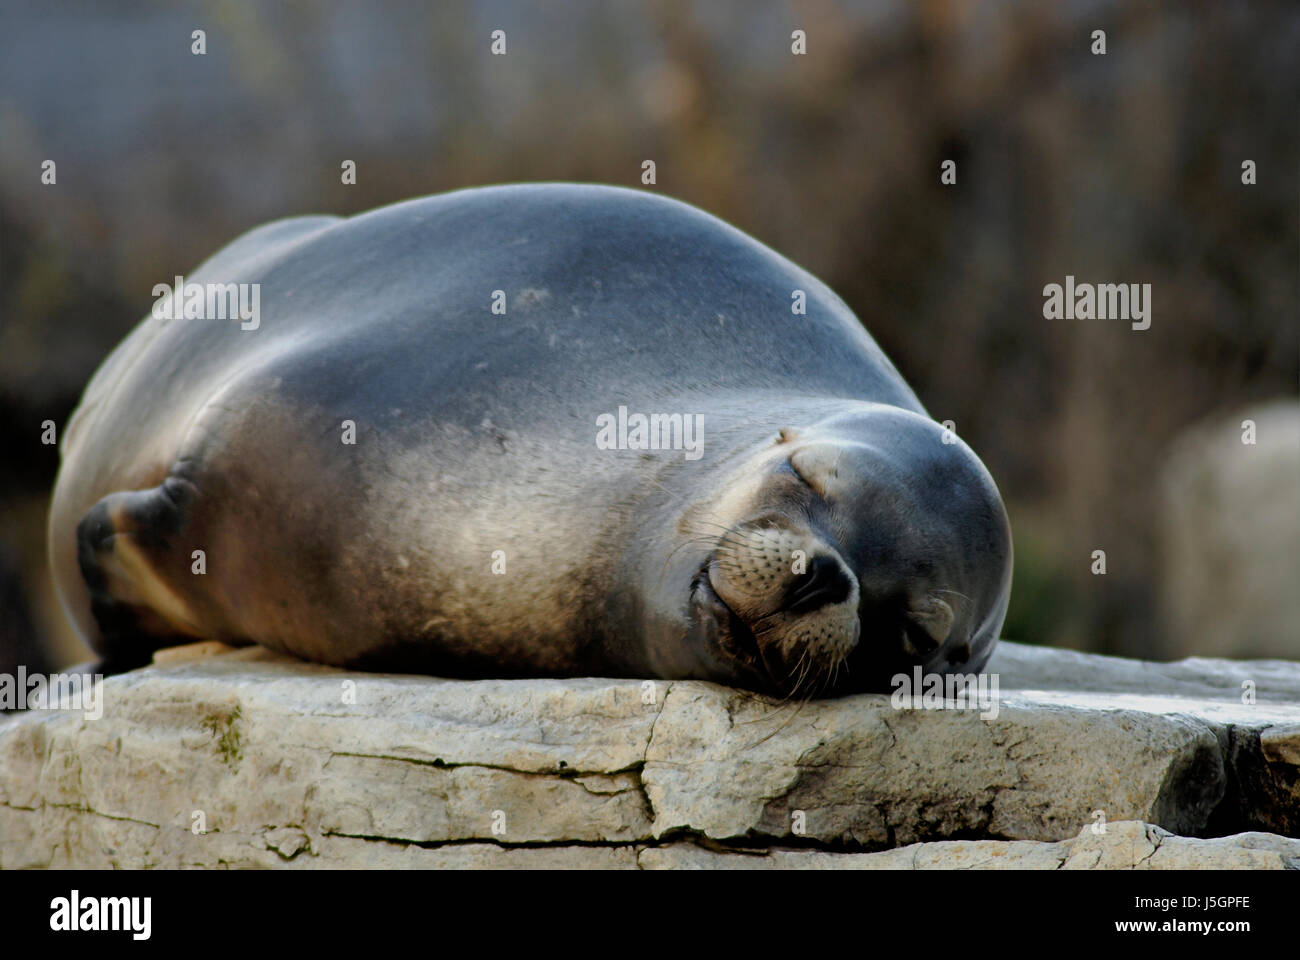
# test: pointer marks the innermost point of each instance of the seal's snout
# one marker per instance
(795, 596)
(826, 582)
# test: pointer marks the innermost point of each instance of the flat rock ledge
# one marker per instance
(248, 759)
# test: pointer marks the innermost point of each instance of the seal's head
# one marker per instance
(849, 551)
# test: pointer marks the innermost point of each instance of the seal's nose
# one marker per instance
(825, 582)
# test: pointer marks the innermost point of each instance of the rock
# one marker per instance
(868, 775)
(1249, 704)
(938, 855)
(1281, 744)
(1230, 532)
(1127, 845)
(1199, 684)
(1142, 846)
(251, 759)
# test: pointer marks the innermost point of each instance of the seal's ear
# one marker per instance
(932, 615)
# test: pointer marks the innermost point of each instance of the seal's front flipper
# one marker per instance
(133, 561)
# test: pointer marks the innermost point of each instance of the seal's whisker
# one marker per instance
(955, 594)
(789, 720)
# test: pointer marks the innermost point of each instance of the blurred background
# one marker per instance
(1124, 167)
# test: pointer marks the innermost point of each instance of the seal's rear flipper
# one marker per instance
(131, 560)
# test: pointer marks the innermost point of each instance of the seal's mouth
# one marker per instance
(733, 635)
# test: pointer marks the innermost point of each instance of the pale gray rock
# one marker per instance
(1143, 846)
(1252, 706)
(1199, 685)
(1127, 845)
(247, 759)
(730, 766)
(937, 855)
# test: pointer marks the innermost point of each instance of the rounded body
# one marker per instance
(381, 470)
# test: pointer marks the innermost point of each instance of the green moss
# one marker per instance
(230, 740)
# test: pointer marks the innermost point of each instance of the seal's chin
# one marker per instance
(729, 631)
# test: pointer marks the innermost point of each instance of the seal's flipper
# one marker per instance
(131, 560)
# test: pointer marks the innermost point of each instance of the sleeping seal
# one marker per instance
(531, 430)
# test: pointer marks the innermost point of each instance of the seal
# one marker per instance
(526, 430)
